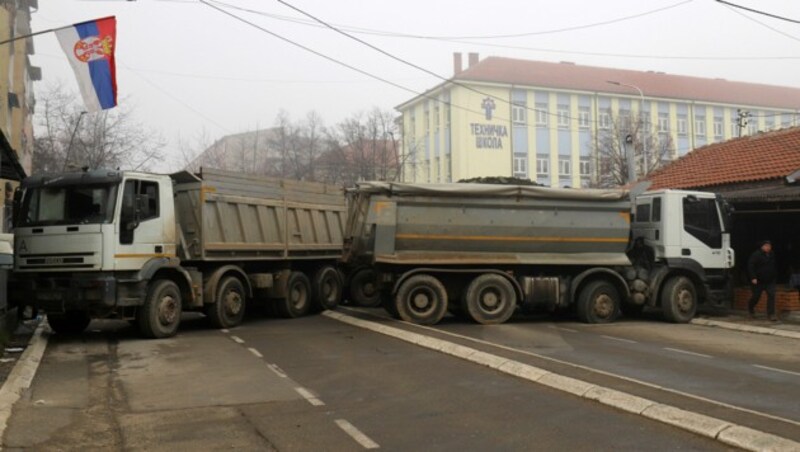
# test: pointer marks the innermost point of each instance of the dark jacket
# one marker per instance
(761, 266)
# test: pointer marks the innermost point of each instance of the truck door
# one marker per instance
(140, 228)
(702, 238)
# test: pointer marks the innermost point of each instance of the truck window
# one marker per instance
(700, 219)
(643, 213)
(134, 188)
(656, 210)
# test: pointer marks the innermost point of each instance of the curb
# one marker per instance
(21, 376)
(710, 427)
(747, 328)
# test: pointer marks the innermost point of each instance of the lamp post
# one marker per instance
(641, 119)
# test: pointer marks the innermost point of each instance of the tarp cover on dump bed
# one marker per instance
(491, 190)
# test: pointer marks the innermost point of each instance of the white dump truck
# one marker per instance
(145, 247)
(484, 251)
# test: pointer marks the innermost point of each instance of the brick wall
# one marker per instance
(786, 299)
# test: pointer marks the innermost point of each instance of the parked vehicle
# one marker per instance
(145, 247)
(483, 251)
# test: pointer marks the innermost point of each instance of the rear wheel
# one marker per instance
(598, 302)
(228, 309)
(679, 300)
(297, 302)
(490, 299)
(70, 322)
(327, 288)
(160, 315)
(364, 289)
(421, 299)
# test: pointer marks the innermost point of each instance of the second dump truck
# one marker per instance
(145, 247)
(484, 251)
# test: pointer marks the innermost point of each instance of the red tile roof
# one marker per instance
(653, 84)
(764, 156)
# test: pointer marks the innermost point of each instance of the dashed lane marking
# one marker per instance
(357, 434)
(278, 371)
(225, 331)
(255, 352)
(311, 398)
(774, 369)
(237, 339)
(687, 352)
(568, 330)
(619, 339)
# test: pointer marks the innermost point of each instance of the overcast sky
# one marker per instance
(186, 67)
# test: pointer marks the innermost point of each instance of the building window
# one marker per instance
(624, 117)
(427, 121)
(542, 166)
(769, 122)
(447, 115)
(605, 120)
(752, 125)
(436, 117)
(520, 166)
(718, 129)
(583, 117)
(563, 116)
(586, 167)
(564, 167)
(519, 114)
(786, 120)
(663, 122)
(681, 125)
(700, 127)
(541, 114)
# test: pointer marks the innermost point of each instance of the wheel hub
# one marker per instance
(490, 300)
(168, 310)
(685, 301)
(603, 306)
(233, 303)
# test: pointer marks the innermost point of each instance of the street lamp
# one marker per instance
(641, 119)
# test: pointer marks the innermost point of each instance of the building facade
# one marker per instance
(542, 121)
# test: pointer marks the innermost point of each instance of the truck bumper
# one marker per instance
(98, 293)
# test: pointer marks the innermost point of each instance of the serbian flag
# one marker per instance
(90, 50)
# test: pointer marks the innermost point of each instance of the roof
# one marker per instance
(770, 155)
(653, 84)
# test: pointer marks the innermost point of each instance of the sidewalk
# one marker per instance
(734, 320)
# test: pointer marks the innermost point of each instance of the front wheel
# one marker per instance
(598, 302)
(679, 300)
(160, 315)
(69, 323)
(421, 299)
(227, 310)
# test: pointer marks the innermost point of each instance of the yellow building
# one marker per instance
(541, 121)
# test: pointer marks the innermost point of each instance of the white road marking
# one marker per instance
(687, 352)
(356, 434)
(225, 331)
(237, 339)
(255, 352)
(277, 370)
(777, 370)
(561, 328)
(581, 367)
(619, 339)
(311, 398)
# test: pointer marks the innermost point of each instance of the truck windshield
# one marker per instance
(75, 204)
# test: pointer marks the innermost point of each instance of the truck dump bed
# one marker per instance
(478, 224)
(224, 215)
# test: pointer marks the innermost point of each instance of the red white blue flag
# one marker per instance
(90, 49)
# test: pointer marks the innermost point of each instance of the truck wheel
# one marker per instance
(679, 300)
(69, 323)
(387, 301)
(297, 302)
(598, 302)
(160, 315)
(421, 299)
(327, 288)
(228, 309)
(490, 299)
(364, 289)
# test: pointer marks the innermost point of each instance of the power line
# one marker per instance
(463, 40)
(757, 11)
(753, 19)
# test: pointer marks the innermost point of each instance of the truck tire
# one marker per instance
(160, 315)
(598, 302)
(421, 299)
(228, 308)
(327, 288)
(297, 302)
(490, 299)
(364, 290)
(679, 300)
(69, 323)
(388, 304)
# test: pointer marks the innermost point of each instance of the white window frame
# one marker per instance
(680, 124)
(521, 165)
(542, 166)
(604, 120)
(585, 167)
(541, 114)
(663, 124)
(564, 167)
(563, 118)
(583, 118)
(519, 114)
(719, 128)
(700, 127)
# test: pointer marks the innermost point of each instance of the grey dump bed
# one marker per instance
(224, 215)
(478, 224)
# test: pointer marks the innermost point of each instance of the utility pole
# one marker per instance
(71, 138)
(742, 119)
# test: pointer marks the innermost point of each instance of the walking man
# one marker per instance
(763, 272)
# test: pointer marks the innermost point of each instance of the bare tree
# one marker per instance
(628, 137)
(68, 137)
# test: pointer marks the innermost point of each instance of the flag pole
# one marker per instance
(51, 30)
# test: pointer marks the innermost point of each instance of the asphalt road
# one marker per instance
(318, 384)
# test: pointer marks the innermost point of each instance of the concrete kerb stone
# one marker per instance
(746, 328)
(619, 399)
(487, 359)
(566, 384)
(21, 375)
(789, 334)
(522, 370)
(694, 422)
(749, 439)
